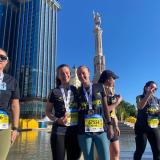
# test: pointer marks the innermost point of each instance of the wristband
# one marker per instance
(15, 129)
(109, 123)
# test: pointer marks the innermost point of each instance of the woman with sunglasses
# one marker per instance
(147, 124)
(63, 100)
(9, 102)
(93, 114)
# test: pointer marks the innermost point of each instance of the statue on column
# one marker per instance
(99, 59)
(98, 33)
(97, 19)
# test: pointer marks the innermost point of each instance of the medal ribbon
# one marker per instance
(88, 97)
(67, 98)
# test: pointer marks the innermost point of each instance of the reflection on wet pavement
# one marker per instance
(35, 145)
(31, 145)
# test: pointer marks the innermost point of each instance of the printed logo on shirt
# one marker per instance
(3, 86)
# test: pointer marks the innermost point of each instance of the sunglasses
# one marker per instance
(3, 58)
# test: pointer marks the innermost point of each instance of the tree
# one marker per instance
(125, 109)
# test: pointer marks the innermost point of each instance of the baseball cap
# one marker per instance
(106, 74)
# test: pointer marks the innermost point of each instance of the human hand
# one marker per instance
(110, 132)
(117, 131)
(14, 134)
(62, 120)
(150, 90)
(118, 99)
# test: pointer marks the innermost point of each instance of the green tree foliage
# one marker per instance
(125, 110)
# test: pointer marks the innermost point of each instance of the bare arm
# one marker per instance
(49, 109)
(115, 121)
(115, 125)
(51, 116)
(142, 102)
(106, 110)
(15, 108)
(108, 118)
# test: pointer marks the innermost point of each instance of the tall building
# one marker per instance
(99, 59)
(28, 30)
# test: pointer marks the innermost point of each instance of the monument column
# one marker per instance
(99, 59)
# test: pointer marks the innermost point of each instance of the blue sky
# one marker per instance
(131, 40)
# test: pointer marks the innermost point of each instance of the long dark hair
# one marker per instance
(147, 85)
(58, 81)
(102, 78)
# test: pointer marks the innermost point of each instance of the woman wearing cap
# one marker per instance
(63, 99)
(93, 113)
(9, 97)
(147, 124)
(107, 78)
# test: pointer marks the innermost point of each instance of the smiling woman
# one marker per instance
(63, 100)
(93, 115)
(9, 97)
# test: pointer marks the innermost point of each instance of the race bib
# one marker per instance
(153, 122)
(4, 120)
(3, 86)
(153, 119)
(72, 117)
(94, 123)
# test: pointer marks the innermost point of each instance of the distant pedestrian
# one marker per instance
(93, 114)
(107, 78)
(9, 105)
(147, 124)
(62, 109)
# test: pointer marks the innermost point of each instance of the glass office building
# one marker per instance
(28, 30)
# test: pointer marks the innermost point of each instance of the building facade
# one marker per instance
(28, 30)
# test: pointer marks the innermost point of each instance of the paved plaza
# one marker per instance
(35, 145)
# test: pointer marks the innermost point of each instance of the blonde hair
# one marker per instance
(83, 66)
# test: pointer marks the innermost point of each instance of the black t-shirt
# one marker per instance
(98, 94)
(56, 98)
(11, 92)
(143, 113)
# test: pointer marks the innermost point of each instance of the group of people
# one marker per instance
(83, 118)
